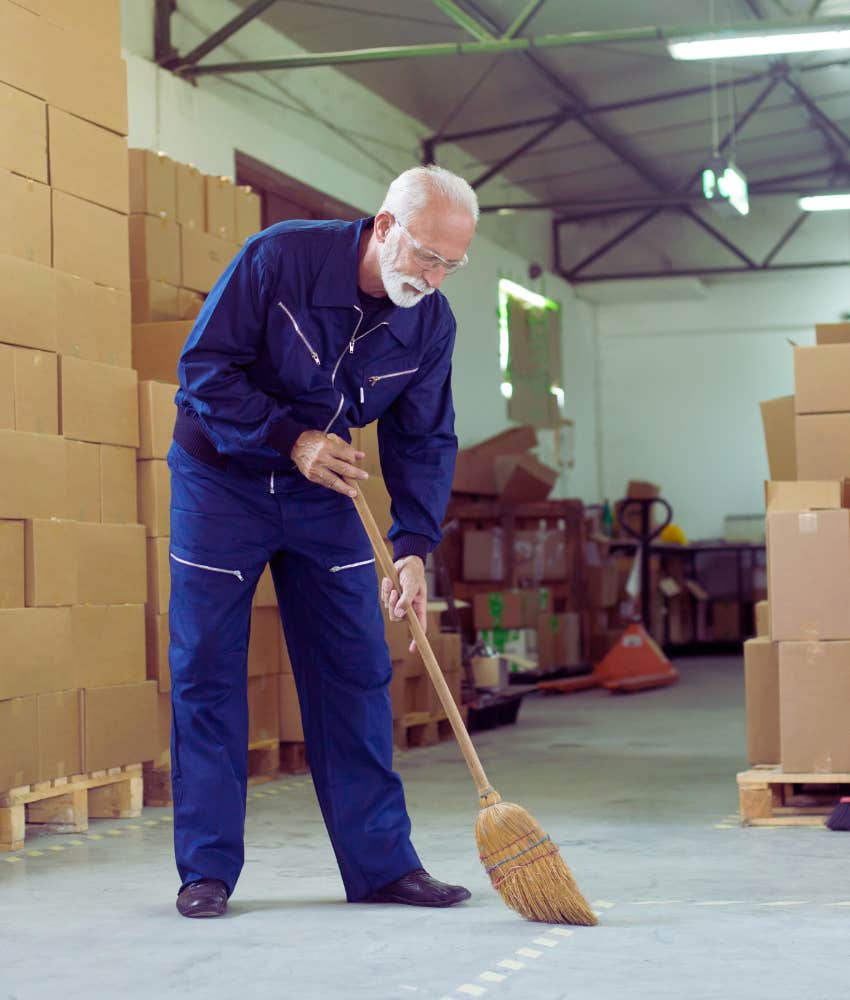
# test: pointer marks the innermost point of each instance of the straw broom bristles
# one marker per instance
(525, 867)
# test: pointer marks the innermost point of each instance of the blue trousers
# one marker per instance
(225, 527)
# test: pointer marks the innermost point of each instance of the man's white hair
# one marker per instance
(409, 192)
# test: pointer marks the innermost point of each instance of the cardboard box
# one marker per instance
(154, 301)
(159, 575)
(540, 555)
(90, 241)
(157, 348)
(23, 133)
(558, 640)
(162, 754)
(263, 709)
(419, 695)
(25, 218)
(159, 670)
(499, 609)
(535, 601)
(12, 589)
(490, 672)
(448, 650)
(190, 196)
(100, 403)
(27, 303)
(155, 249)
(761, 682)
(603, 585)
(777, 417)
(52, 565)
(118, 490)
(823, 446)
(806, 495)
(475, 469)
(18, 741)
(248, 213)
(264, 595)
(157, 414)
(374, 492)
(36, 644)
(88, 161)
(112, 563)
(264, 645)
(107, 644)
(397, 636)
(832, 333)
(153, 184)
(518, 646)
(35, 475)
(397, 692)
(523, 478)
(762, 613)
(60, 731)
(220, 218)
(94, 321)
(291, 730)
(99, 20)
(84, 82)
(189, 304)
(36, 391)
(120, 724)
(822, 378)
(84, 490)
(203, 259)
(154, 494)
(22, 62)
(814, 692)
(483, 556)
(808, 557)
(726, 621)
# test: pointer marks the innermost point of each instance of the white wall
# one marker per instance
(680, 384)
(327, 131)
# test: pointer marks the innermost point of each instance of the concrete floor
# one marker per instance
(637, 791)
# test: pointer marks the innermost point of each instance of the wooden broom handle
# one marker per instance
(434, 672)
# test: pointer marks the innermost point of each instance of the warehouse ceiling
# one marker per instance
(609, 137)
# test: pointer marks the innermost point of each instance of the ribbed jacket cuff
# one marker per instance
(411, 545)
(284, 435)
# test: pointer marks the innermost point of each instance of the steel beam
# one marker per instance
(466, 21)
(830, 129)
(535, 140)
(719, 237)
(756, 10)
(609, 245)
(217, 38)
(164, 52)
(697, 272)
(496, 45)
(785, 237)
(815, 7)
(522, 19)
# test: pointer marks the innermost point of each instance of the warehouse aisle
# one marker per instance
(638, 793)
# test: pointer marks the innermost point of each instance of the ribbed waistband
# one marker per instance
(190, 437)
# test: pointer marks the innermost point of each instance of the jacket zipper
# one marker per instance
(349, 350)
(365, 562)
(374, 379)
(211, 569)
(271, 484)
(313, 354)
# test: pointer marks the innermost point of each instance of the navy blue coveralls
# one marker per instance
(280, 347)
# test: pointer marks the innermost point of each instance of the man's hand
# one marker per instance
(325, 458)
(414, 592)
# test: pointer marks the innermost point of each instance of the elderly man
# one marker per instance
(314, 328)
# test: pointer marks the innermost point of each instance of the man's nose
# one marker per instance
(435, 276)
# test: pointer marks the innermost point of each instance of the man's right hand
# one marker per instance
(325, 458)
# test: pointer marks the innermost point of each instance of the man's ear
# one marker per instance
(383, 223)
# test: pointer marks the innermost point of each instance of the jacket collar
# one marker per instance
(336, 284)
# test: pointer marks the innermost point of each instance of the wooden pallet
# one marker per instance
(770, 797)
(65, 805)
(293, 758)
(423, 729)
(263, 766)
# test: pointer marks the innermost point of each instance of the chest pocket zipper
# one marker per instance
(313, 353)
(211, 569)
(375, 379)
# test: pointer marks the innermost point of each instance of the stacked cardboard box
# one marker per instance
(185, 227)
(73, 574)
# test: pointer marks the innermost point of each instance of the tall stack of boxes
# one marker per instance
(798, 675)
(185, 228)
(73, 693)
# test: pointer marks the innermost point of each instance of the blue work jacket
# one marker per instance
(280, 347)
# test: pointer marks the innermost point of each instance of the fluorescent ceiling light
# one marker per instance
(719, 46)
(525, 294)
(507, 390)
(825, 203)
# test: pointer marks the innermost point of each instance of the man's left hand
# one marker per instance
(414, 592)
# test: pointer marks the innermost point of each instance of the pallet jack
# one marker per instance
(636, 662)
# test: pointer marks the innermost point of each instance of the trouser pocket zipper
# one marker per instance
(210, 569)
(339, 569)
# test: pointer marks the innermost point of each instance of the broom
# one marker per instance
(523, 863)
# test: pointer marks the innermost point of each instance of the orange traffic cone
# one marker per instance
(635, 663)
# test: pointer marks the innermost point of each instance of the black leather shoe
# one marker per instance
(418, 888)
(205, 898)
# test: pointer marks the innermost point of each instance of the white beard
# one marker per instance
(394, 281)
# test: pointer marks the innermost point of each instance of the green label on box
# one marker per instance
(497, 606)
